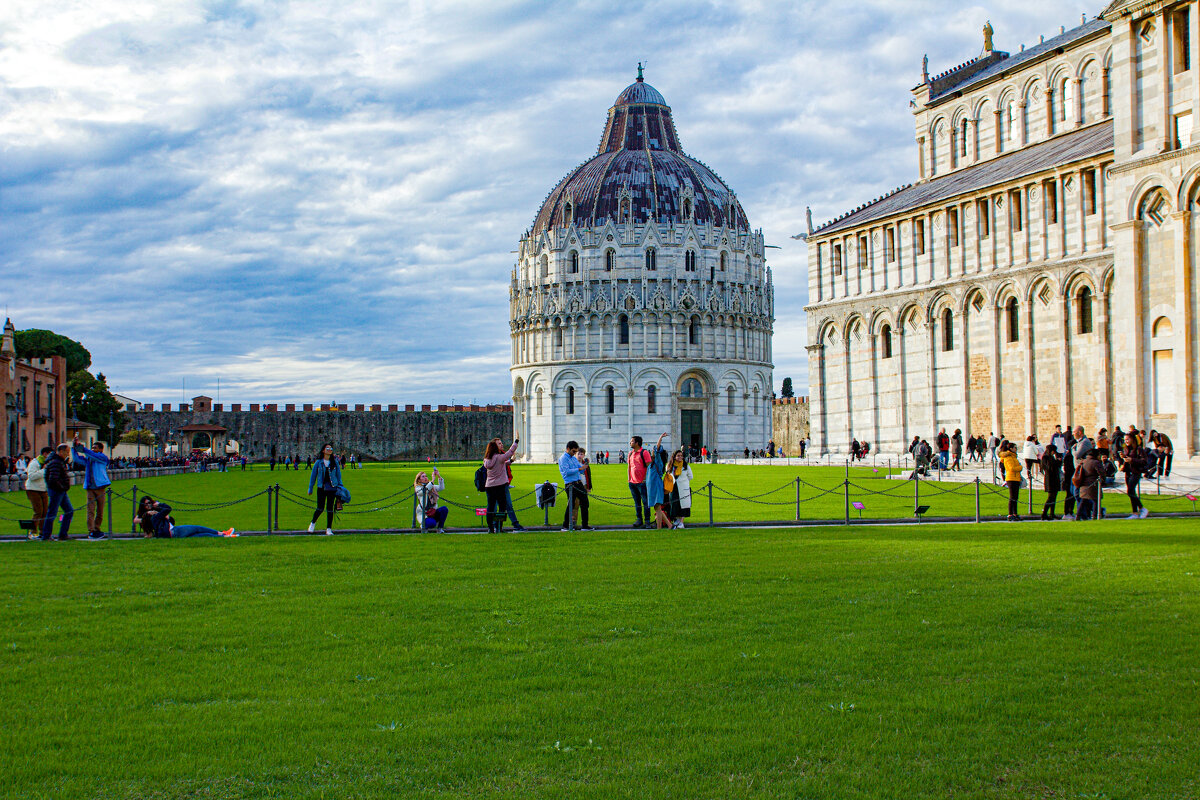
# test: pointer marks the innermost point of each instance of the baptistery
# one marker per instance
(641, 302)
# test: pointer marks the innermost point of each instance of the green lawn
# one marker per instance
(980, 661)
(773, 489)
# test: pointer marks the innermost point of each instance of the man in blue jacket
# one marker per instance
(95, 483)
(572, 475)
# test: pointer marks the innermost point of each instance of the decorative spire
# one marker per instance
(925, 69)
(639, 77)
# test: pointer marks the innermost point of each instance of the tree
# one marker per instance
(138, 436)
(787, 391)
(89, 399)
(37, 343)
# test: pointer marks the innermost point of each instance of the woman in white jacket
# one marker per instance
(1030, 453)
(426, 491)
(677, 483)
(35, 490)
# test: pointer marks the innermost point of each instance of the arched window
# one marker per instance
(558, 336)
(1084, 299)
(723, 256)
(539, 401)
(885, 340)
(545, 264)
(755, 398)
(610, 400)
(947, 330)
(729, 401)
(1013, 122)
(687, 210)
(610, 260)
(962, 139)
(623, 329)
(694, 331)
(651, 259)
(689, 261)
(574, 262)
(623, 215)
(652, 399)
(569, 213)
(1013, 319)
(570, 399)
(691, 389)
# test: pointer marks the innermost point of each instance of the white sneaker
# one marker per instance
(1145, 512)
(329, 531)
(1134, 516)
(312, 527)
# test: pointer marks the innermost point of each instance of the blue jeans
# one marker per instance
(512, 510)
(638, 490)
(184, 531)
(1086, 509)
(438, 520)
(57, 499)
(944, 458)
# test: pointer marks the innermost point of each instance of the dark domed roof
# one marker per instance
(640, 151)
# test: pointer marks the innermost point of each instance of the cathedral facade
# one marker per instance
(1042, 268)
(641, 302)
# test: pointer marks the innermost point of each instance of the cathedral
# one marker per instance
(1041, 270)
(641, 302)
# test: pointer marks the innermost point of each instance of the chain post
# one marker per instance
(710, 504)
(133, 516)
(916, 490)
(797, 482)
(546, 513)
(108, 502)
(1030, 492)
(269, 529)
(977, 499)
(413, 520)
(276, 506)
(846, 486)
(1099, 498)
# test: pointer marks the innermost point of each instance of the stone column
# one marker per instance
(553, 449)
(872, 338)
(1064, 359)
(1023, 126)
(995, 350)
(998, 145)
(816, 400)
(587, 422)
(1103, 400)
(1030, 377)
(1184, 377)
(973, 140)
(1129, 402)
(1049, 111)
(930, 374)
(1166, 136)
(1076, 106)
(965, 363)
(849, 397)
(899, 331)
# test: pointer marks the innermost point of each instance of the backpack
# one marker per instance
(481, 479)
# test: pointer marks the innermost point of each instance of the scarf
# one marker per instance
(669, 477)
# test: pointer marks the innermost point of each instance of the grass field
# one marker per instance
(981, 661)
(772, 488)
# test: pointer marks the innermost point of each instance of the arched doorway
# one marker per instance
(693, 399)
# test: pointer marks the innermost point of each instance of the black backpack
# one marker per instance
(481, 479)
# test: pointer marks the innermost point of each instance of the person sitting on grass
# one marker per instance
(426, 492)
(156, 521)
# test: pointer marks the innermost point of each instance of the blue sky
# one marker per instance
(317, 201)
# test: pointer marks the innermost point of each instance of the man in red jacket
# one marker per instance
(638, 460)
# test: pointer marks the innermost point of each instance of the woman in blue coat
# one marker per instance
(326, 477)
(654, 484)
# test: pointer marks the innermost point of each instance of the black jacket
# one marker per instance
(57, 477)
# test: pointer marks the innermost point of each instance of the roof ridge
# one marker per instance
(865, 205)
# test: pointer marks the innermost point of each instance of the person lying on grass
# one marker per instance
(156, 521)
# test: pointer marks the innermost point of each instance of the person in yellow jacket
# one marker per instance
(1012, 478)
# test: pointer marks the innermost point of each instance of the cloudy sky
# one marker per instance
(317, 201)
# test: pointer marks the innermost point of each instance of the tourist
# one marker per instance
(747, 452)
(586, 466)
(156, 521)
(1059, 440)
(1103, 443)
(943, 446)
(1012, 479)
(1051, 479)
(621, 456)
(1071, 491)
(677, 487)
(495, 461)
(1166, 452)
(1087, 480)
(1108, 471)
(58, 483)
(572, 475)
(326, 476)
(1029, 452)
(35, 490)
(95, 483)
(639, 459)
(655, 494)
(1134, 465)
(426, 492)
(956, 446)
(993, 443)
(1082, 444)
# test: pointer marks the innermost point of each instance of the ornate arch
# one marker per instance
(1147, 185)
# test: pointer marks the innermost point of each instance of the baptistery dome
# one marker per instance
(640, 159)
(641, 302)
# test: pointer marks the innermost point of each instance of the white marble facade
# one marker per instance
(641, 302)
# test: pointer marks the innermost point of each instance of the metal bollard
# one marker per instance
(797, 498)
(133, 516)
(976, 498)
(846, 486)
(1030, 493)
(1099, 499)
(277, 505)
(710, 504)
(108, 502)
(269, 530)
(916, 490)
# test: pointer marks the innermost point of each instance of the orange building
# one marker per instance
(35, 399)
